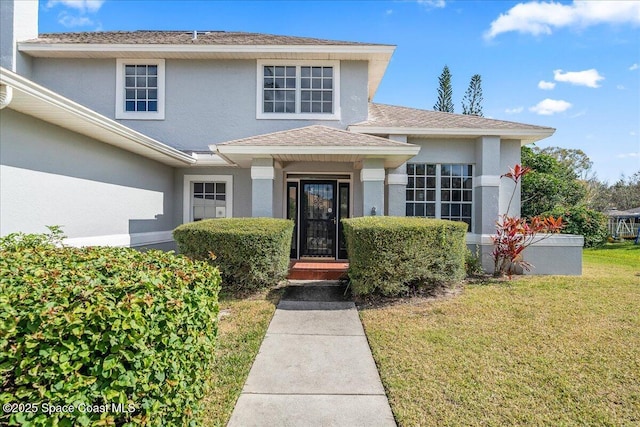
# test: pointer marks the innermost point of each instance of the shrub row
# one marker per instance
(102, 326)
(387, 255)
(251, 253)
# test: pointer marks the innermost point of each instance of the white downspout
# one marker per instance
(6, 95)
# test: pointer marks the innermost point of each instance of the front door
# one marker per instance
(318, 219)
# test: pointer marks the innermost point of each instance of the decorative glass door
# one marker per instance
(318, 219)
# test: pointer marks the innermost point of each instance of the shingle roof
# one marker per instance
(381, 115)
(186, 38)
(315, 135)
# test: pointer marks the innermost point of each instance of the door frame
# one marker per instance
(298, 177)
(303, 222)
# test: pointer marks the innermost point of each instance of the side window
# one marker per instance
(209, 200)
(140, 89)
(207, 196)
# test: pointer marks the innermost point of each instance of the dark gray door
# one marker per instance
(318, 219)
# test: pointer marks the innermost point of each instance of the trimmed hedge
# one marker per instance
(251, 253)
(584, 221)
(104, 326)
(388, 255)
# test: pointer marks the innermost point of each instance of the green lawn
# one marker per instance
(540, 350)
(243, 324)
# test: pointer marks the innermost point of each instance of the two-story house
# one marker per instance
(121, 136)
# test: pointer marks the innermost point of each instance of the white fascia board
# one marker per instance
(312, 149)
(515, 133)
(85, 114)
(206, 159)
(181, 48)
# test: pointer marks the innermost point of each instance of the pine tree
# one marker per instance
(472, 101)
(445, 93)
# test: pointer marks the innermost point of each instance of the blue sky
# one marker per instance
(574, 66)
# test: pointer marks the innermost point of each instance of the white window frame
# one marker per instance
(187, 208)
(438, 201)
(121, 112)
(260, 115)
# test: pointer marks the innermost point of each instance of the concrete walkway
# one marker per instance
(314, 367)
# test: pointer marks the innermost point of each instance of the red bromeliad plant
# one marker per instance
(514, 235)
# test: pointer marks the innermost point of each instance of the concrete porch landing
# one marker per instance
(314, 367)
(317, 270)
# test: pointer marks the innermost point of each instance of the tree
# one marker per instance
(549, 185)
(472, 101)
(574, 158)
(625, 193)
(445, 92)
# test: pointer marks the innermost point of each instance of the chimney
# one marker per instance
(18, 22)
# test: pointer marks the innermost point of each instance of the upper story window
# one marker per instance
(440, 191)
(140, 89)
(294, 90)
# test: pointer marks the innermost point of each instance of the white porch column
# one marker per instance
(372, 176)
(262, 177)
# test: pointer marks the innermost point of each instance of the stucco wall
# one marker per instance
(207, 101)
(51, 176)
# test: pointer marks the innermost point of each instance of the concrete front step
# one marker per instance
(311, 270)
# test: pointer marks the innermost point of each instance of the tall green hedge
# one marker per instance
(387, 255)
(103, 326)
(251, 253)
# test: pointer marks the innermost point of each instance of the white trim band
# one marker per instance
(397, 179)
(263, 172)
(126, 240)
(486, 181)
(372, 175)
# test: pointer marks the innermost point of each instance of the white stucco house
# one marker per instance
(119, 137)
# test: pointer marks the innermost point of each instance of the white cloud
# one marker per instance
(71, 21)
(538, 18)
(632, 133)
(628, 155)
(82, 6)
(515, 110)
(388, 12)
(548, 107)
(633, 67)
(589, 78)
(432, 4)
(546, 85)
(75, 12)
(620, 87)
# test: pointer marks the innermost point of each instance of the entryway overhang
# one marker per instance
(315, 144)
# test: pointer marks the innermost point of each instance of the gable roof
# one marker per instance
(316, 143)
(391, 119)
(208, 45)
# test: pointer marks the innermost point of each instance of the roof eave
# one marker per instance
(77, 118)
(528, 136)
